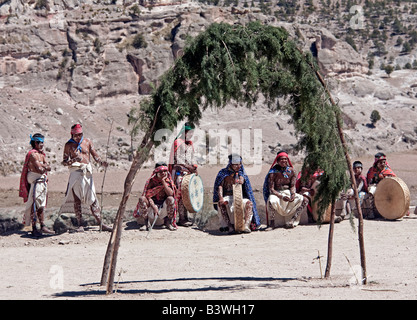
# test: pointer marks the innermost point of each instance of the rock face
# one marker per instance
(338, 57)
(91, 54)
(63, 62)
(9, 223)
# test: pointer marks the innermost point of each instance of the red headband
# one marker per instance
(161, 169)
(282, 154)
(77, 129)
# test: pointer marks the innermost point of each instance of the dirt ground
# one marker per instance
(195, 264)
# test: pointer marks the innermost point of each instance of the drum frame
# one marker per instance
(381, 200)
(238, 208)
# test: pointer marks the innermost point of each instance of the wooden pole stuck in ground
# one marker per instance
(110, 259)
(353, 182)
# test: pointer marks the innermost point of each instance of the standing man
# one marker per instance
(223, 196)
(181, 162)
(34, 185)
(282, 201)
(80, 189)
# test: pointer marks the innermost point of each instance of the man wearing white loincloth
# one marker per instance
(34, 185)
(80, 189)
(283, 204)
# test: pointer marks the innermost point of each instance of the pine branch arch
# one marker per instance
(238, 63)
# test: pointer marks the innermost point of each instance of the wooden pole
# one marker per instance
(353, 182)
(120, 214)
(330, 241)
(110, 259)
(104, 177)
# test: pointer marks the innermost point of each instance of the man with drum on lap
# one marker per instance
(379, 170)
(181, 163)
(158, 198)
(282, 201)
(223, 197)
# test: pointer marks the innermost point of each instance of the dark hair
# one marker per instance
(33, 141)
(159, 164)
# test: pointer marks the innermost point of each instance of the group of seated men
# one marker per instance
(287, 194)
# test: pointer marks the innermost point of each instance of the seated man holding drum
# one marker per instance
(379, 170)
(158, 199)
(229, 208)
(283, 204)
(181, 163)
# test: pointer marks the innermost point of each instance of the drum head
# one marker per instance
(392, 198)
(192, 190)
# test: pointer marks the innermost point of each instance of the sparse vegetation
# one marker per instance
(389, 69)
(42, 4)
(375, 117)
(139, 41)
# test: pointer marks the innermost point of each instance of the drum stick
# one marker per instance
(153, 223)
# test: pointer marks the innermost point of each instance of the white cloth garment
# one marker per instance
(37, 195)
(81, 183)
(283, 211)
(230, 212)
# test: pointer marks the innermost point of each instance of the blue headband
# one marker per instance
(40, 139)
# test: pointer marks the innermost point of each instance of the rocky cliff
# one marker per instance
(91, 61)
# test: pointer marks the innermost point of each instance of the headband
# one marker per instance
(40, 139)
(357, 164)
(235, 159)
(161, 169)
(77, 129)
(282, 154)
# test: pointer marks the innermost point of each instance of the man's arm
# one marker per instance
(66, 159)
(271, 185)
(220, 191)
(292, 185)
(96, 156)
(40, 167)
(167, 188)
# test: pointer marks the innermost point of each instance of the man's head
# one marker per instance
(77, 132)
(235, 161)
(282, 159)
(188, 131)
(357, 167)
(36, 141)
(380, 160)
(161, 170)
(381, 163)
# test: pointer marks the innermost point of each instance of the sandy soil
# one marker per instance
(203, 264)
